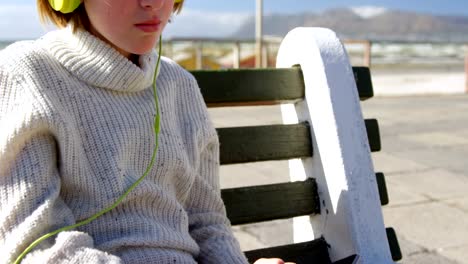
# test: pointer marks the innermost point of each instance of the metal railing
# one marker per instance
(268, 44)
(269, 49)
(198, 45)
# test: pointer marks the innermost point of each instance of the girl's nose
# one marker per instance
(152, 4)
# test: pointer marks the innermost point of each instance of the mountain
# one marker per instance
(374, 23)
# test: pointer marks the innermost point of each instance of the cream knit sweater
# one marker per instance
(76, 130)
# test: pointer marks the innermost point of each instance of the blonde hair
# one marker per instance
(78, 18)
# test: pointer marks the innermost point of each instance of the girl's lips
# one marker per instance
(149, 26)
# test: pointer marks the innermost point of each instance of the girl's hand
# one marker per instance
(272, 261)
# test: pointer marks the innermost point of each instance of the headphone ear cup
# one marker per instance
(65, 6)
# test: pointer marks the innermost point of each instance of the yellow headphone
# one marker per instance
(68, 6)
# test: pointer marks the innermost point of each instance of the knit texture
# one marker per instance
(76, 130)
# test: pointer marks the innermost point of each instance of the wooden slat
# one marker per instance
(260, 143)
(250, 86)
(382, 188)
(394, 245)
(363, 79)
(236, 87)
(354, 259)
(373, 134)
(315, 251)
(275, 142)
(269, 202)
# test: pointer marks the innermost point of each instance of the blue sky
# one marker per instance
(290, 6)
(220, 18)
(428, 6)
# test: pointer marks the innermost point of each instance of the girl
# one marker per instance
(76, 118)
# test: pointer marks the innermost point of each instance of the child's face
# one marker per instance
(130, 26)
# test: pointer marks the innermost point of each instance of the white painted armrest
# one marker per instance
(351, 218)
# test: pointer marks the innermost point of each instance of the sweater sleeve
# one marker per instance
(208, 223)
(30, 203)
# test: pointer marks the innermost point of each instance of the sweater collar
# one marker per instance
(97, 63)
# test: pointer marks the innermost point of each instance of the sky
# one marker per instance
(219, 18)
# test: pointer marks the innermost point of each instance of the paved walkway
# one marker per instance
(424, 157)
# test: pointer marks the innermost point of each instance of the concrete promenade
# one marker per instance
(424, 157)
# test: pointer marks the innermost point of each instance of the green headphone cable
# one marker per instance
(157, 120)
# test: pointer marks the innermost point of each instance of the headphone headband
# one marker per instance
(68, 6)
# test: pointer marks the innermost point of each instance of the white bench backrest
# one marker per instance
(351, 218)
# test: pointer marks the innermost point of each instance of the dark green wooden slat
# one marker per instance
(236, 200)
(363, 79)
(394, 245)
(251, 86)
(349, 260)
(267, 202)
(382, 188)
(260, 143)
(263, 86)
(315, 251)
(373, 134)
(275, 142)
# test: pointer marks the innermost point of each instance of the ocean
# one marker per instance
(420, 53)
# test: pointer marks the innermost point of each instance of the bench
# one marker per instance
(328, 145)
